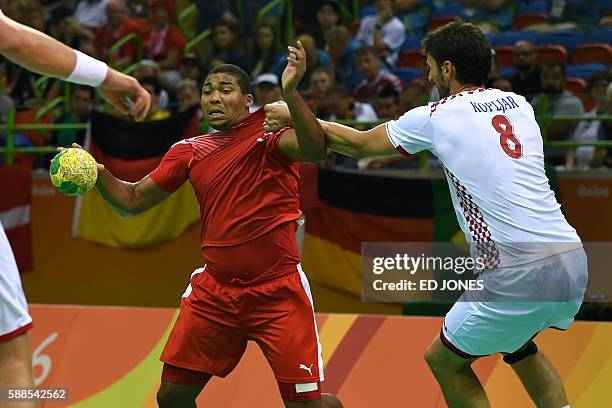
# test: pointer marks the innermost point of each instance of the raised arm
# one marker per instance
(306, 142)
(40, 53)
(340, 138)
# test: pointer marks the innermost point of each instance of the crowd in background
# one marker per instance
(356, 67)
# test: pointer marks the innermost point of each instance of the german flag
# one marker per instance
(131, 150)
(352, 208)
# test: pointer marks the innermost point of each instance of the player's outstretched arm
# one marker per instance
(339, 138)
(40, 53)
(306, 143)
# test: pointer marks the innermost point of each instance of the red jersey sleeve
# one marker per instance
(274, 149)
(173, 170)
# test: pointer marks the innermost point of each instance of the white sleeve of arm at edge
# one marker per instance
(413, 131)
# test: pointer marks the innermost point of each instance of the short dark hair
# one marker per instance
(554, 64)
(153, 81)
(365, 49)
(597, 77)
(465, 46)
(244, 81)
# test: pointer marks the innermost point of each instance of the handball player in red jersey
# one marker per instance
(251, 286)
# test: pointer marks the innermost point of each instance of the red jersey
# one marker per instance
(248, 195)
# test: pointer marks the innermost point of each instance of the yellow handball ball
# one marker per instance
(73, 171)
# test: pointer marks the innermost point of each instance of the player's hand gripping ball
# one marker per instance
(73, 171)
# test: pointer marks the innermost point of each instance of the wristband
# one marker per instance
(88, 70)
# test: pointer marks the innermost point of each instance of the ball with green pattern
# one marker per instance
(73, 171)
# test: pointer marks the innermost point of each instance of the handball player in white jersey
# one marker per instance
(491, 149)
(40, 53)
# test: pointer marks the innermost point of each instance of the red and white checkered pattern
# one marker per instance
(479, 230)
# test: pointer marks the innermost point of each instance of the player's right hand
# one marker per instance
(78, 146)
(126, 94)
(295, 69)
(277, 116)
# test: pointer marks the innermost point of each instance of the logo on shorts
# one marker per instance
(309, 369)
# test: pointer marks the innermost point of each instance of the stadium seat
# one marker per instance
(453, 9)
(599, 36)
(407, 74)
(507, 71)
(368, 11)
(410, 58)
(533, 6)
(353, 27)
(569, 39)
(504, 56)
(548, 53)
(575, 85)
(583, 71)
(412, 42)
(525, 20)
(509, 38)
(595, 53)
(440, 21)
(491, 38)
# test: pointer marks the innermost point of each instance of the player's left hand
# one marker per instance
(126, 94)
(277, 116)
(295, 69)
(78, 146)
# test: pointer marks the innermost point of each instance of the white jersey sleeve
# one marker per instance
(413, 131)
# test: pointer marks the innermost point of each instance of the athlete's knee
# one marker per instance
(171, 396)
(330, 401)
(432, 356)
(521, 354)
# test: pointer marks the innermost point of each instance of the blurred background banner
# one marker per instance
(130, 151)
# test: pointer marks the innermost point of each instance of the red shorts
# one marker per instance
(217, 319)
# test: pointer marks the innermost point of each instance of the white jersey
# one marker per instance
(491, 150)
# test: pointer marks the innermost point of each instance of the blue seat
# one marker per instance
(569, 39)
(599, 36)
(453, 9)
(368, 11)
(509, 38)
(583, 71)
(533, 6)
(491, 38)
(407, 74)
(411, 42)
(507, 71)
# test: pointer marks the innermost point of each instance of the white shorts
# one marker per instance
(549, 293)
(14, 317)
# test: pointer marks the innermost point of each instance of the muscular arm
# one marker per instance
(129, 198)
(357, 143)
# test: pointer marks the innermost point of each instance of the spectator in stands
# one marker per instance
(502, 83)
(341, 51)
(387, 104)
(148, 68)
(6, 102)
(81, 104)
(315, 58)
(227, 45)
(328, 16)
(188, 94)
(35, 16)
(602, 156)
(138, 8)
(164, 43)
(591, 130)
(118, 26)
(559, 102)
(211, 11)
(267, 90)
(320, 81)
(384, 31)
(376, 81)
(491, 15)
(190, 68)
(527, 80)
(63, 27)
(341, 106)
(570, 14)
(153, 86)
(266, 52)
(413, 95)
(91, 13)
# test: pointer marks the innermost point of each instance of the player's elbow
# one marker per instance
(315, 156)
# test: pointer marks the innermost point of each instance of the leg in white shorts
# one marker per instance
(546, 293)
